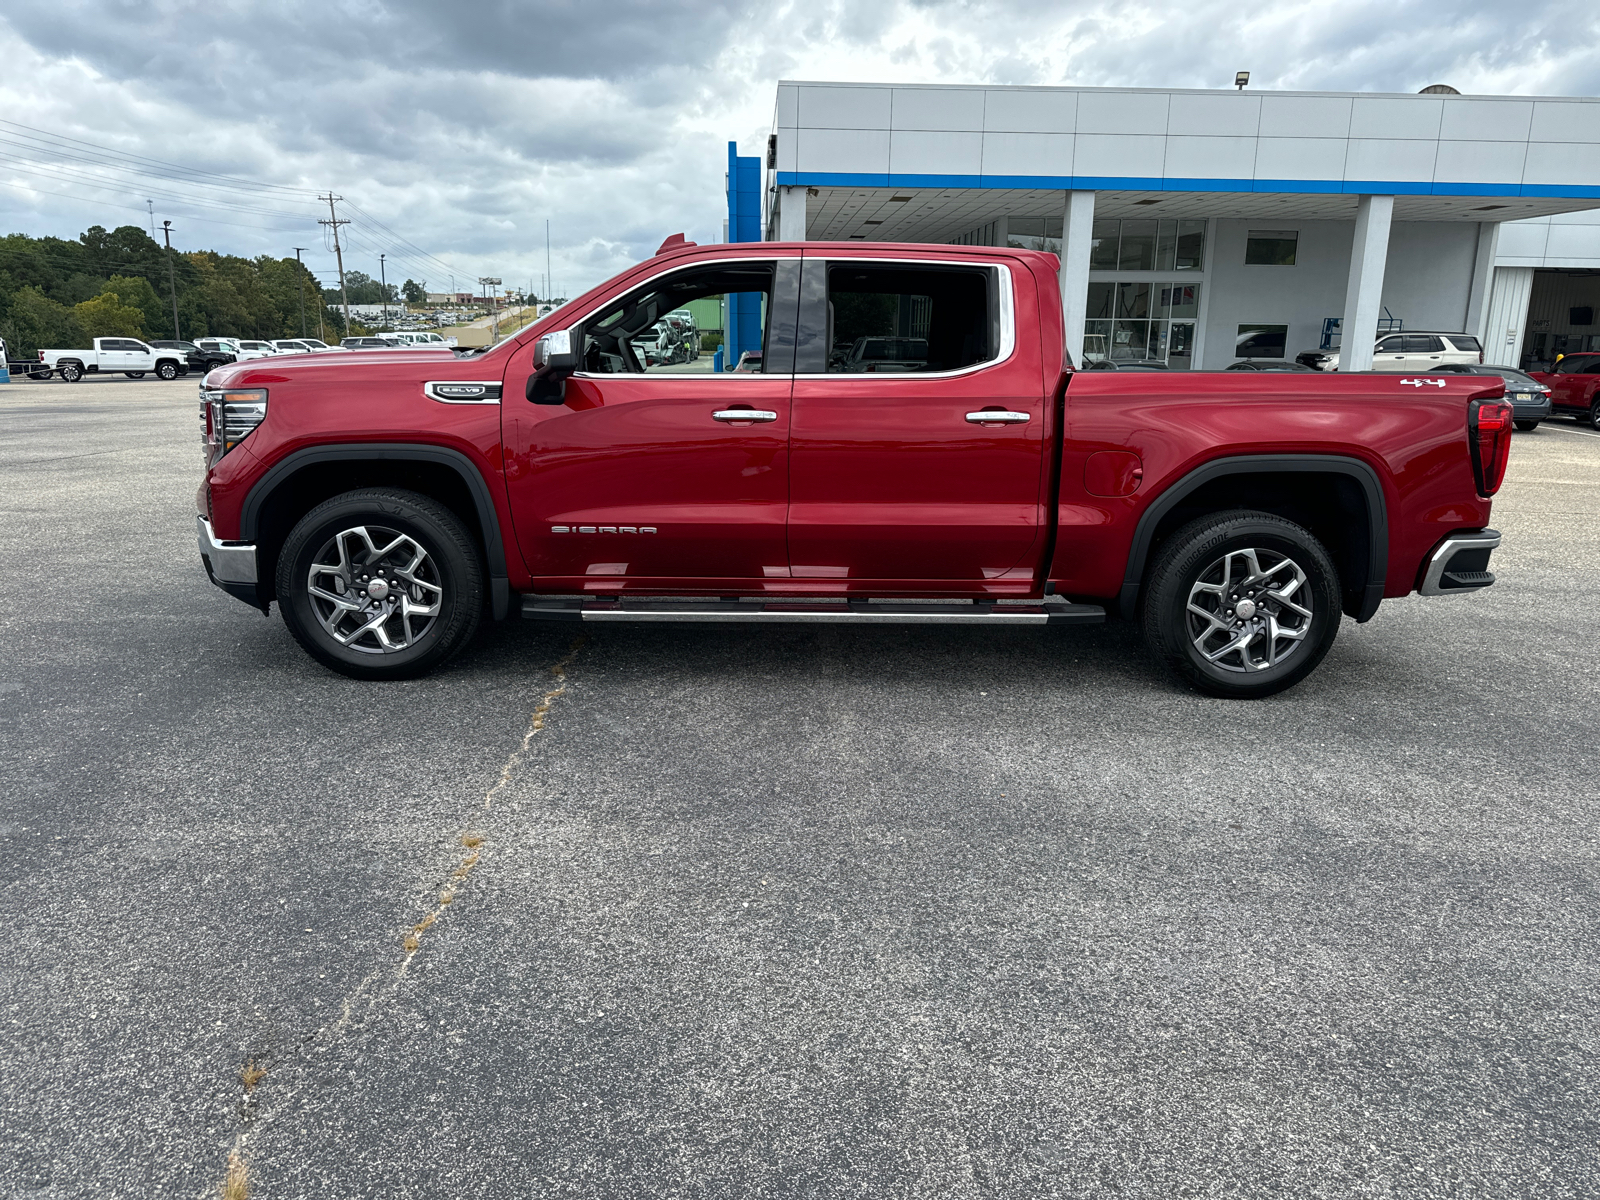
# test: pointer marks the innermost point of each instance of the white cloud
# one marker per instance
(465, 128)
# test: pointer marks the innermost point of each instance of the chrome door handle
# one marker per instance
(995, 417)
(744, 414)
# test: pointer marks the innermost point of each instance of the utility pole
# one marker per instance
(334, 222)
(299, 250)
(172, 278)
(151, 205)
(383, 283)
(547, 254)
(494, 309)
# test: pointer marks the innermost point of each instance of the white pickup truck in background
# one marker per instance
(113, 356)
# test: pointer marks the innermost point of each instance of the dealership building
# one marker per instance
(1199, 227)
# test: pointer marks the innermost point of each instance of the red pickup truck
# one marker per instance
(388, 501)
(1574, 383)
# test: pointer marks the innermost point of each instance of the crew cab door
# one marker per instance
(652, 476)
(894, 474)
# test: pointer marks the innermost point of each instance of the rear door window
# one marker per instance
(897, 318)
(1423, 343)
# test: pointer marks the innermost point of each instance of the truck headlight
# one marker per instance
(229, 414)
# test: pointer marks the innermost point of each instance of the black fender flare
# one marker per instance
(1268, 464)
(494, 550)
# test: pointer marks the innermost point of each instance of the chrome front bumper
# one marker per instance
(226, 562)
(1469, 575)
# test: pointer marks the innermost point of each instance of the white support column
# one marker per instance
(1477, 322)
(1508, 316)
(1363, 297)
(791, 214)
(1077, 227)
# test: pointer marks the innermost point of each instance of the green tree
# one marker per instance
(35, 322)
(107, 316)
(154, 314)
(414, 292)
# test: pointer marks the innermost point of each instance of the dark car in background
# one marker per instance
(1530, 399)
(199, 359)
(1269, 364)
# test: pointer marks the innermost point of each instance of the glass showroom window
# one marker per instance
(1120, 245)
(1137, 321)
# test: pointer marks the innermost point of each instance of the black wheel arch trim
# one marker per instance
(1264, 464)
(482, 499)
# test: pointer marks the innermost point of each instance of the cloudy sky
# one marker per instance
(456, 130)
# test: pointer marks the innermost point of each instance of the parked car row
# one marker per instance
(424, 340)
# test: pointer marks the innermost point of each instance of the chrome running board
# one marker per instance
(542, 608)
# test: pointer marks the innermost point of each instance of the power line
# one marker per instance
(233, 181)
(135, 208)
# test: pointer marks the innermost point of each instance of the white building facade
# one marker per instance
(1196, 227)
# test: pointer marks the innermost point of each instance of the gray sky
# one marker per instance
(462, 127)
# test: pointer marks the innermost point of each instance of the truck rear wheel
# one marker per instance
(380, 583)
(71, 372)
(1242, 604)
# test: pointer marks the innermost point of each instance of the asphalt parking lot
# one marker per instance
(763, 913)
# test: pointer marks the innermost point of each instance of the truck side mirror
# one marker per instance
(554, 358)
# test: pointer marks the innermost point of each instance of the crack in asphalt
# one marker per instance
(374, 989)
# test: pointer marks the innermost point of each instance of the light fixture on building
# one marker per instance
(1241, 79)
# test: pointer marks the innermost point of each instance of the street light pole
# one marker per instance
(298, 250)
(172, 278)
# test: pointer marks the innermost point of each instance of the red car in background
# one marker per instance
(1574, 384)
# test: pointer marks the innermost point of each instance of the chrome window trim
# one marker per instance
(1008, 319)
(491, 391)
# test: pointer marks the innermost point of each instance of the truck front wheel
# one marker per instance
(380, 583)
(1242, 604)
(167, 371)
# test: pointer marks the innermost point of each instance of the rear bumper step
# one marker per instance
(541, 608)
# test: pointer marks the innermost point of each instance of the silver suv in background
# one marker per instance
(1415, 351)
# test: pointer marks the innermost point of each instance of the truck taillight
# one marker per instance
(1489, 430)
(229, 416)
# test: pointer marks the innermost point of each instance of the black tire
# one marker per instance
(1196, 556)
(134, 374)
(453, 569)
(166, 371)
(1594, 415)
(1527, 426)
(71, 372)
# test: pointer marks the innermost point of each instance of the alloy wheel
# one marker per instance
(374, 590)
(1249, 610)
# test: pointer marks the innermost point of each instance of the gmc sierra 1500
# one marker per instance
(387, 500)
